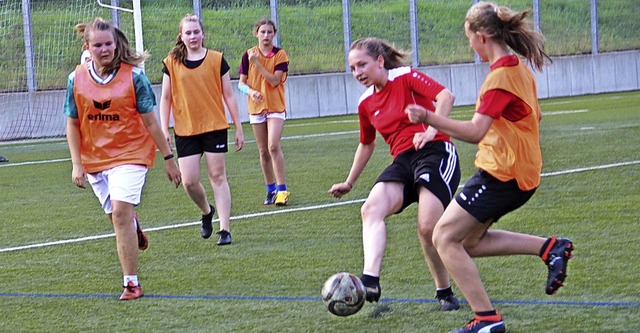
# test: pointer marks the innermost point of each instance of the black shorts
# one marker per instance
(487, 198)
(435, 167)
(211, 142)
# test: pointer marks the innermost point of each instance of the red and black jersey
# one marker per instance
(383, 111)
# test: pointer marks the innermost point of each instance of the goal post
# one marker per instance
(137, 23)
(38, 50)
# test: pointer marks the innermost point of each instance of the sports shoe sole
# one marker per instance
(143, 240)
(558, 280)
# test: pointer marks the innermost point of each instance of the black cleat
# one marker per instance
(270, 199)
(225, 237)
(206, 229)
(556, 261)
(373, 291)
(448, 303)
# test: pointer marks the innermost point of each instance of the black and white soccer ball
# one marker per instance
(343, 294)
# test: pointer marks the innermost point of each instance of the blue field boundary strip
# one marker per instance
(315, 299)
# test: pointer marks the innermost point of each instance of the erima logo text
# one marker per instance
(102, 106)
(103, 117)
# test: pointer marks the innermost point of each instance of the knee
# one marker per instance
(120, 218)
(439, 237)
(367, 211)
(425, 232)
(218, 178)
(190, 185)
(265, 155)
(274, 148)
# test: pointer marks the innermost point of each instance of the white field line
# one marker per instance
(174, 226)
(283, 211)
(292, 137)
(557, 113)
(35, 162)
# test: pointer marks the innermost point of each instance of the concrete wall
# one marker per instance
(338, 93)
(322, 95)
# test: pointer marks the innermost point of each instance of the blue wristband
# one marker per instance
(244, 88)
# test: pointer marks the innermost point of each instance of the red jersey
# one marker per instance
(498, 103)
(384, 110)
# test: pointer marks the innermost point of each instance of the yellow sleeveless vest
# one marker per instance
(112, 132)
(273, 98)
(511, 150)
(197, 102)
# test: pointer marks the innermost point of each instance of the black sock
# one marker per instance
(440, 294)
(369, 280)
(544, 247)
(486, 313)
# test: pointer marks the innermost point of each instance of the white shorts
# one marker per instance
(255, 119)
(122, 183)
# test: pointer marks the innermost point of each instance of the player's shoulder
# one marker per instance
(214, 54)
(280, 52)
(139, 77)
(137, 70)
(367, 94)
(399, 72)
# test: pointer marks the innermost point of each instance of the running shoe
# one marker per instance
(131, 292)
(557, 259)
(206, 229)
(282, 197)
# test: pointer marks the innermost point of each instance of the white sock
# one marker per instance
(130, 278)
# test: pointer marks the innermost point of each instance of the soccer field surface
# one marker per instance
(59, 270)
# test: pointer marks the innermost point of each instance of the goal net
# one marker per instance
(38, 50)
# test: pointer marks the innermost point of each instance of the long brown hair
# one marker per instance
(122, 53)
(510, 27)
(375, 47)
(179, 51)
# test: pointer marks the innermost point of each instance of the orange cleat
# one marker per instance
(143, 240)
(131, 292)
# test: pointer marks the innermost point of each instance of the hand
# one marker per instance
(420, 139)
(416, 113)
(256, 96)
(239, 138)
(253, 57)
(340, 189)
(78, 176)
(173, 172)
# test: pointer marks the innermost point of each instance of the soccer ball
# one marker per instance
(343, 294)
